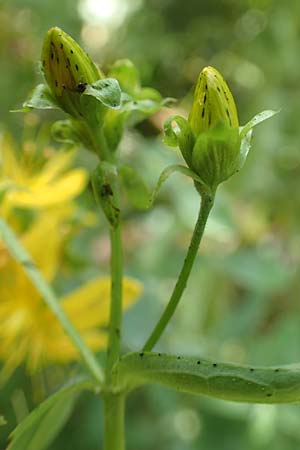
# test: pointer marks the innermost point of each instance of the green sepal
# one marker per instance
(40, 98)
(178, 133)
(64, 131)
(106, 91)
(104, 182)
(113, 128)
(246, 133)
(2, 421)
(127, 75)
(138, 192)
(216, 154)
(257, 119)
(138, 103)
(244, 149)
(41, 426)
(72, 132)
(136, 189)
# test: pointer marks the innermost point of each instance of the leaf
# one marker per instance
(20, 254)
(107, 91)
(41, 426)
(258, 118)
(226, 381)
(41, 98)
(137, 191)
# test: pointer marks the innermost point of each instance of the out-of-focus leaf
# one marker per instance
(2, 421)
(137, 191)
(41, 426)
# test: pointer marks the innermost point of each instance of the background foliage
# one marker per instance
(242, 301)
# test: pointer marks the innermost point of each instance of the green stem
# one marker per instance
(113, 349)
(206, 205)
(21, 255)
(114, 410)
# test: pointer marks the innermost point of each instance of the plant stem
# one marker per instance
(206, 205)
(114, 410)
(113, 349)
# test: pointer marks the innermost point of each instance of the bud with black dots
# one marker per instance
(67, 70)
(211, 141)
(213, 103)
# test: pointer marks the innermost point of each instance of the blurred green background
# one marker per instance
(242, 300)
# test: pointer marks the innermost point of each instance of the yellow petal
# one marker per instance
(88, 306)
(38, 195)
(44, 241)
(57, 164)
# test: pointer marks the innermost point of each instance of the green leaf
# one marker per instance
(226, 381)
(41, 98)
(258, 118)
(137, 191)
(41, 426)
(106, 91)
(20, 254)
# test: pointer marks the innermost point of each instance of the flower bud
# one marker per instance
(67, 70)
(213, 103)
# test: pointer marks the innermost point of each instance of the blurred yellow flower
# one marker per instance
(31, 182)
(29, 333)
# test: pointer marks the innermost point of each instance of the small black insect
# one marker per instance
(81, 87)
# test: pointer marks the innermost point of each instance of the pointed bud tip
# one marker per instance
(213, 102)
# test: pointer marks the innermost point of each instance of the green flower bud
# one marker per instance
(213, 103)
(67, 70)
(211, 141)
